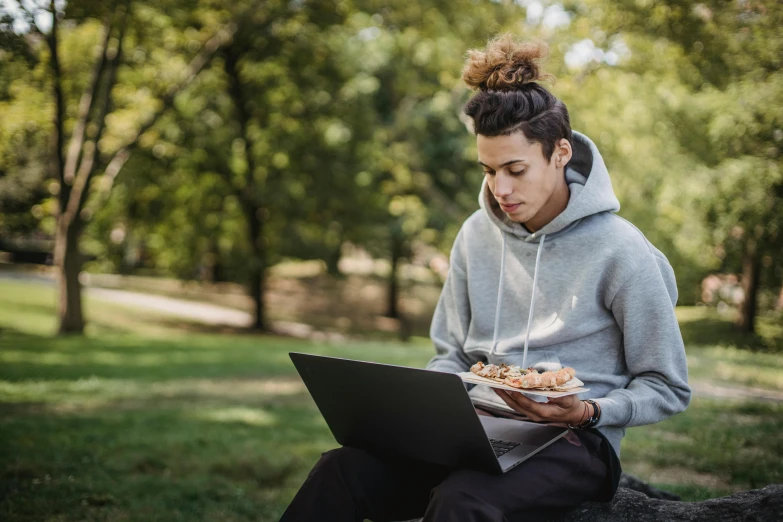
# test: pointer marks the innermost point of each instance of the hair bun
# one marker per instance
(506, 64)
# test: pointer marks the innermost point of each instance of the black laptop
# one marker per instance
(419, 414)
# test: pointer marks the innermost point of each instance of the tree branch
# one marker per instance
(85, 108)
(59, 109)
(81, 181)
(238, 97)
(209, 50)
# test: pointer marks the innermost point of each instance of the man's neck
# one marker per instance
(555, 206)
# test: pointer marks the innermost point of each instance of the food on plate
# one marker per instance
(528, 379)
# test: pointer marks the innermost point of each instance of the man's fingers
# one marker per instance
(514, 405)
(524, 402)
(505, 396)
(520, 404)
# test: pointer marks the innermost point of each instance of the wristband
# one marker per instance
(591, 420)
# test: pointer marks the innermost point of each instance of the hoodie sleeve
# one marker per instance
(451, 319)
(654, 352)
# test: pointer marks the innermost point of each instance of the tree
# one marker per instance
(87, 154)
(418, 156)
(729, 56)
(275, 67)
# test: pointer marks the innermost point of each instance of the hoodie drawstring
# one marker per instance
(532, 297)
(500, 293)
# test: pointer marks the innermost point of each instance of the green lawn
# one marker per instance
(176, 425)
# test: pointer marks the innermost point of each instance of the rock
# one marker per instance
(637, 501)
(758, 505)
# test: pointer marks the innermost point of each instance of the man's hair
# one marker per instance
(509, 99)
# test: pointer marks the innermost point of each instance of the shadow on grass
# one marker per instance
(26, 356)
(712, 331)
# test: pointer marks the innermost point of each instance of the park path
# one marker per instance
(216, 315)
(205, 313)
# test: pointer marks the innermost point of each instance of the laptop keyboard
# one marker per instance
(501, 447)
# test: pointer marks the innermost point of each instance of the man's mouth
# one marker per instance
(509, 208)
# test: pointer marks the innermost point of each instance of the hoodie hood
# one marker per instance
(591, 193)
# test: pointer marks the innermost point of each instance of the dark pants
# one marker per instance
(349, 484)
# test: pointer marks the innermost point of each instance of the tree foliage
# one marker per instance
(213, 140)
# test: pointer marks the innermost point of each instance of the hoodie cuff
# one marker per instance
(616, 409)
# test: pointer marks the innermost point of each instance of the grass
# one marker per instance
(718, 352)
(173, 425)
(129, 427)
(713, 449)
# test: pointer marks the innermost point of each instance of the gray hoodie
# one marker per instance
(587, 291)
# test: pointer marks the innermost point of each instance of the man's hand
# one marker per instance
(482, 412)
(568, 409)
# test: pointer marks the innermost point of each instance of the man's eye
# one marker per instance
(491, 173)
(517, 172)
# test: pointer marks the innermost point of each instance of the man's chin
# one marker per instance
(516, 218)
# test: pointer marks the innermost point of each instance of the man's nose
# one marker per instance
(503, 185)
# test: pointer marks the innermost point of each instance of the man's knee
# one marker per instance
(345, 457)
(352, 465)
(455, 500)
(452, 492)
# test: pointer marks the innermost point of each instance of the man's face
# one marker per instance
(519, 177)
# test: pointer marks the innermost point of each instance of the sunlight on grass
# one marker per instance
(724, 445)
(94, 392)
(109, 358)
(251, 416)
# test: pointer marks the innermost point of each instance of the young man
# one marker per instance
(544, 274)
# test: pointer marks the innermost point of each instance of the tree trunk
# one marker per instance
(257, 293)
(257, 278)
(750, 283)
(249, 195)
(68, 261)
(66, 243)
(213, 270)
(333, 261)
(394, 284)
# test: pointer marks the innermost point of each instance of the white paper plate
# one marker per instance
(472, 378)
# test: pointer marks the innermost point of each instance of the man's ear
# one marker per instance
(563, 153)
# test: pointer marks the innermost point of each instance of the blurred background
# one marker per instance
(189, 189)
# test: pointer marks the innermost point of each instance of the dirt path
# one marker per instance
(205, 313)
